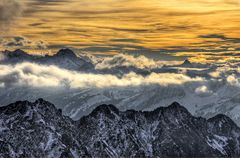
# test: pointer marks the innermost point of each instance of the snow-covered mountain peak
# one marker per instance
(176, 109)
(222, 123)
(43, 104)
(105, 109)
(19, 106)
(23, 107)
(221, 118)
(186, 63)
(175, 105)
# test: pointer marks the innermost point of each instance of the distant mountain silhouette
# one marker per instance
(64, 58)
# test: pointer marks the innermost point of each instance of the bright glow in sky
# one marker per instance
(191, 28)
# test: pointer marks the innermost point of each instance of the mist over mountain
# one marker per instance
(38, 129)
(77, 83)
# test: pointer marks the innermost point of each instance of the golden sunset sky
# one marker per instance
(203, 30)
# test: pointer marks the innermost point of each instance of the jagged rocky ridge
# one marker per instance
(38, 129)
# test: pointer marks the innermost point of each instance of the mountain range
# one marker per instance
(38, 129)
(64, 58)
(217, 95)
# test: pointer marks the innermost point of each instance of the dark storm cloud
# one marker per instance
(125, 40)
(213, 36)
(163, 27)
(132, 30)
(224, 54)
(36, 24)
(221, 37)
(47, 2)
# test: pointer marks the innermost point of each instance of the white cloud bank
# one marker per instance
(125, 60)
(44, 76)
(233, 80)
(203, 90)
(34, 75)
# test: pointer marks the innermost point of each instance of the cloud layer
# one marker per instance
(201, 81)
(34, 75)
(125, 60)
(21, 42)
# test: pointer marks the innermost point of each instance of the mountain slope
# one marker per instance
(38, 129)
(35, 130)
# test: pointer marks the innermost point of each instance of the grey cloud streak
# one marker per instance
(9, 11)
(21, 42)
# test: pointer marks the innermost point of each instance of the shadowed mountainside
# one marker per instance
(38, 129)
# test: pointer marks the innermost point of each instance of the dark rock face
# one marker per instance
(38, 129)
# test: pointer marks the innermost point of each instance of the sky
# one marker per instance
(133, 51)
(201, 30)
